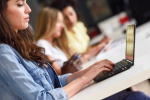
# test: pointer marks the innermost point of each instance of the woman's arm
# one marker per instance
(77, 74)
(92, 51)
(76, 81)
(55, 65)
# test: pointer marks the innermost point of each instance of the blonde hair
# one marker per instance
(46, 23)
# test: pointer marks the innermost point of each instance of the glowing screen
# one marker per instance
(130, 32)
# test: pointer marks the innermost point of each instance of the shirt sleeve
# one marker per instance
(45, 45)
(63, 79)
(21, 82)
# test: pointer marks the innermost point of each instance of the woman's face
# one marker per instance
(70, 16)
(18, 14)
(59, 25)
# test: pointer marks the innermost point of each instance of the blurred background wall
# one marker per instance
(96, 11)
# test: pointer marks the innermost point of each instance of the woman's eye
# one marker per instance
(20, 5)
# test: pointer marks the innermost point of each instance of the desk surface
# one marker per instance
(138, 73)
(118, 34)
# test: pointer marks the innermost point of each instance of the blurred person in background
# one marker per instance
(50, 35)
(76, 31)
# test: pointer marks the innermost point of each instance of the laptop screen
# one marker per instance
(130, 40)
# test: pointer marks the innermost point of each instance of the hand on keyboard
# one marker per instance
(106, 72)
(117, 68)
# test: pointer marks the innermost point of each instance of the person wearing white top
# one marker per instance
(55, 52)
(49, 34)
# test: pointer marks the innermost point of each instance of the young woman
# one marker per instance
(23, 74)
(76, 31)
(49, 35)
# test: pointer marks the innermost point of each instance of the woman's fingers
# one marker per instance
(75, 56)
(77, 64)
(108, 61)
(108, 66)
(100, 46)
(78, 61)
(79, 67)
(106, 69)
(111, 63)
(108, 39)
(105, 63)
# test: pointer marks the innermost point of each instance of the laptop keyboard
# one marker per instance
(118, 67)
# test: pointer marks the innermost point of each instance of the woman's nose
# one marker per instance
(28, 10)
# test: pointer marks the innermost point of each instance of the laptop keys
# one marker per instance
(105, 72)
(118, 66)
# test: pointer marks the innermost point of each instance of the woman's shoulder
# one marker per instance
(46, 45)
(42, 42)
(80, 24)
(81, 27)
(6, 49)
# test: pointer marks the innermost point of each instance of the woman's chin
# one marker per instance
(71, 26)
(23, 27)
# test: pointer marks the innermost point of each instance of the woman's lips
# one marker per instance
(27, 19)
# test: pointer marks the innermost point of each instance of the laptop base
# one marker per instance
(118, 68)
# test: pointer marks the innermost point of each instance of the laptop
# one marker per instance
(126, 63)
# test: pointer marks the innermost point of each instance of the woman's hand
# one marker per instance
(102, 44)
(95, 69)
(92, 52)
(72, 65)
(78, 80)
(105, 40)
(100, 47)
(95, 50)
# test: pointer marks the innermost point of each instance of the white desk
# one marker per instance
(136, 74)
(118, 34)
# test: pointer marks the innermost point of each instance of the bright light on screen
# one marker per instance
(130, 42)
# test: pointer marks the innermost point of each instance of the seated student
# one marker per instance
(48, 35)
(76, 31)
(25, 72)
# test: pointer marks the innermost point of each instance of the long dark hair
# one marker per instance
(22, 41)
